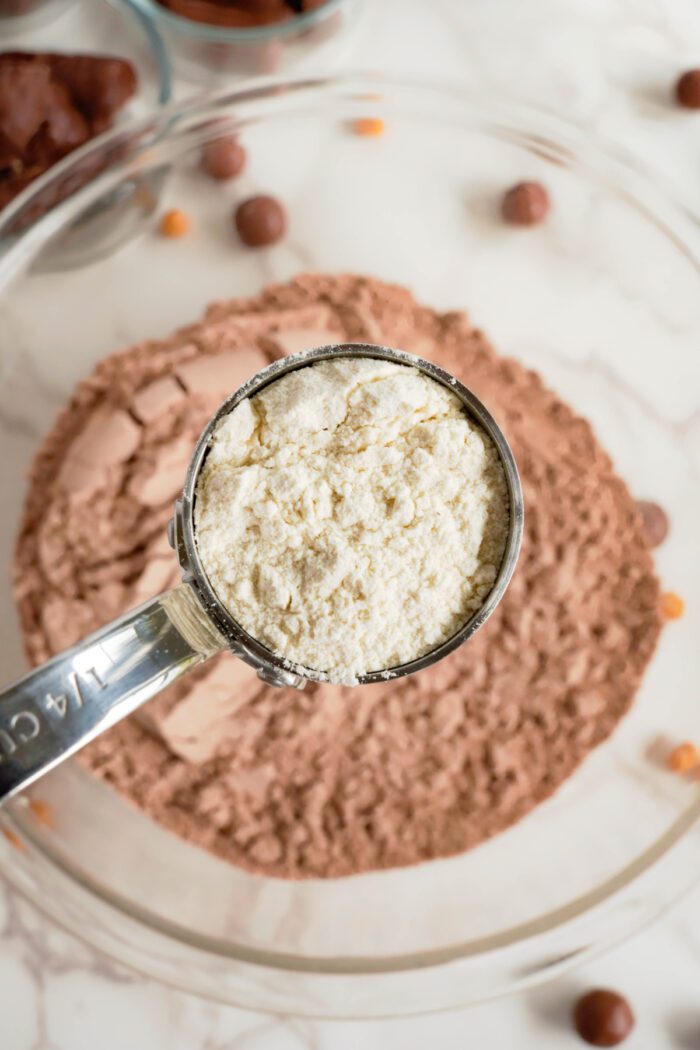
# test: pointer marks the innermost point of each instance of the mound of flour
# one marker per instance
(351, 516)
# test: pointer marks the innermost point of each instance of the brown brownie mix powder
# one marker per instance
(332, 781)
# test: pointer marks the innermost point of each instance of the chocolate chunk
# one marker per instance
(51, 104)
(99, 85)
(223, 158)
(260, 221)
(603, 1018)
(26, 97)
(64, 130)
(525, 204)
(38, 122)
(688, 89)
(655, 521)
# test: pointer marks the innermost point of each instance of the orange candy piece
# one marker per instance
(42, 812)
(684, 758)
(369, 127)
(672, 606)
(174, 223)
(14, 840)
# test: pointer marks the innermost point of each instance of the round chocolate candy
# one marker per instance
(525, 204)
(603, 1017)
(260, 221)
(688, 89)
(655, 521)
(223, 158)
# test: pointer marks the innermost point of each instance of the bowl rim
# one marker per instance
(476, 410)
(160, 51)
(562, 142)
(205, 31)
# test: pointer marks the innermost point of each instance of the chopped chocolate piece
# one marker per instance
(99, 85)
(49, 105)
(27, 97)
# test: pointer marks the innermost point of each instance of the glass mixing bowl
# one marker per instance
(604, 299)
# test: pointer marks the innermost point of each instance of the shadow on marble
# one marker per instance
(684, 1029)
(482, 203)
(551, 1005)
(653, 99)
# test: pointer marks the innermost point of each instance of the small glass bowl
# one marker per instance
(215, 54)
(105, 27)
(604, 301)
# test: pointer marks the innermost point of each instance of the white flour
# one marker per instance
(351, 517)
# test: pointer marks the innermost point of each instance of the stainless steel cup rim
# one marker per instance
(245, 645)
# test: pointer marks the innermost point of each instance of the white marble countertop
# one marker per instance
(607, 64)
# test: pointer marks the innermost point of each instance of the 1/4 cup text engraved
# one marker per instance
(26, 725)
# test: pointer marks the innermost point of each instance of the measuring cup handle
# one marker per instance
(63, 704)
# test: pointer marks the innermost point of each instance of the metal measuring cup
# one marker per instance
(78, 694)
